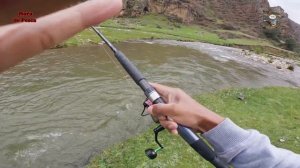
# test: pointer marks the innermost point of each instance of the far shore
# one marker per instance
(158, 27)
(232, 53)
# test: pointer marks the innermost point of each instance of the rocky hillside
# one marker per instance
(286, 26)
(248, 16)
(296, 28)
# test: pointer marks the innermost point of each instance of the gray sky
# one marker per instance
(292, 7)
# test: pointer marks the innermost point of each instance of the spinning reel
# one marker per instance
(152, 153)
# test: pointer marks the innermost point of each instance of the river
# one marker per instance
(60, 108)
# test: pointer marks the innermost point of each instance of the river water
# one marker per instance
(60, 108)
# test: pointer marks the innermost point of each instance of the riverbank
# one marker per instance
(159, 27)
(266, 109)
(224, 53)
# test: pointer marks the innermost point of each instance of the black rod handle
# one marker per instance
(201, 148)
(197, 143)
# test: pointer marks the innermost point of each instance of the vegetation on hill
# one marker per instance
(159, 27)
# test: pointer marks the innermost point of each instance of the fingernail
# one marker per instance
(174, 126)
(174, 131)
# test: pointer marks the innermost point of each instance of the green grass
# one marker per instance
(157, 27)
(273, 111)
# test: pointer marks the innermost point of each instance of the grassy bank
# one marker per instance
(273, 111)
(159, 27)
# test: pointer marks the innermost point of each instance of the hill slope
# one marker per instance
(248, 16)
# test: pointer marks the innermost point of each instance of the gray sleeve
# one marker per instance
(248, 148)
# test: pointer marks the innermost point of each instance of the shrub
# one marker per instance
(229, 26)
(158, 26)
(290, 44)
(272, 34)
(258, 49)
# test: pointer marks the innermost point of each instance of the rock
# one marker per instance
(241, 96)
(271, 61)
(135, 8)
(290, 67)
(282, 139)
(62, 45)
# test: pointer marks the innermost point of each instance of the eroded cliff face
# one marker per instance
(296, 29)
(246, 15)
(234, 12)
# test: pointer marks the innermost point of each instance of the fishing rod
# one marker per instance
(153, 97)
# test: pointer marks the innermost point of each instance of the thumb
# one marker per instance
(162, 110)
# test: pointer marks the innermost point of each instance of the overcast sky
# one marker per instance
(292, 7)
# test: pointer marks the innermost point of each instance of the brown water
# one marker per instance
(63, 106)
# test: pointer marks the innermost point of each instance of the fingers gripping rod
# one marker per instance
(189, 136)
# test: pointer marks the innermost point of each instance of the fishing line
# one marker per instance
(121, 70)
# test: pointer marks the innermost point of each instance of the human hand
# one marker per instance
(182, 109)
(23, 40)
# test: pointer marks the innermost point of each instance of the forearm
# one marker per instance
(248, 148)
(20, 41)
